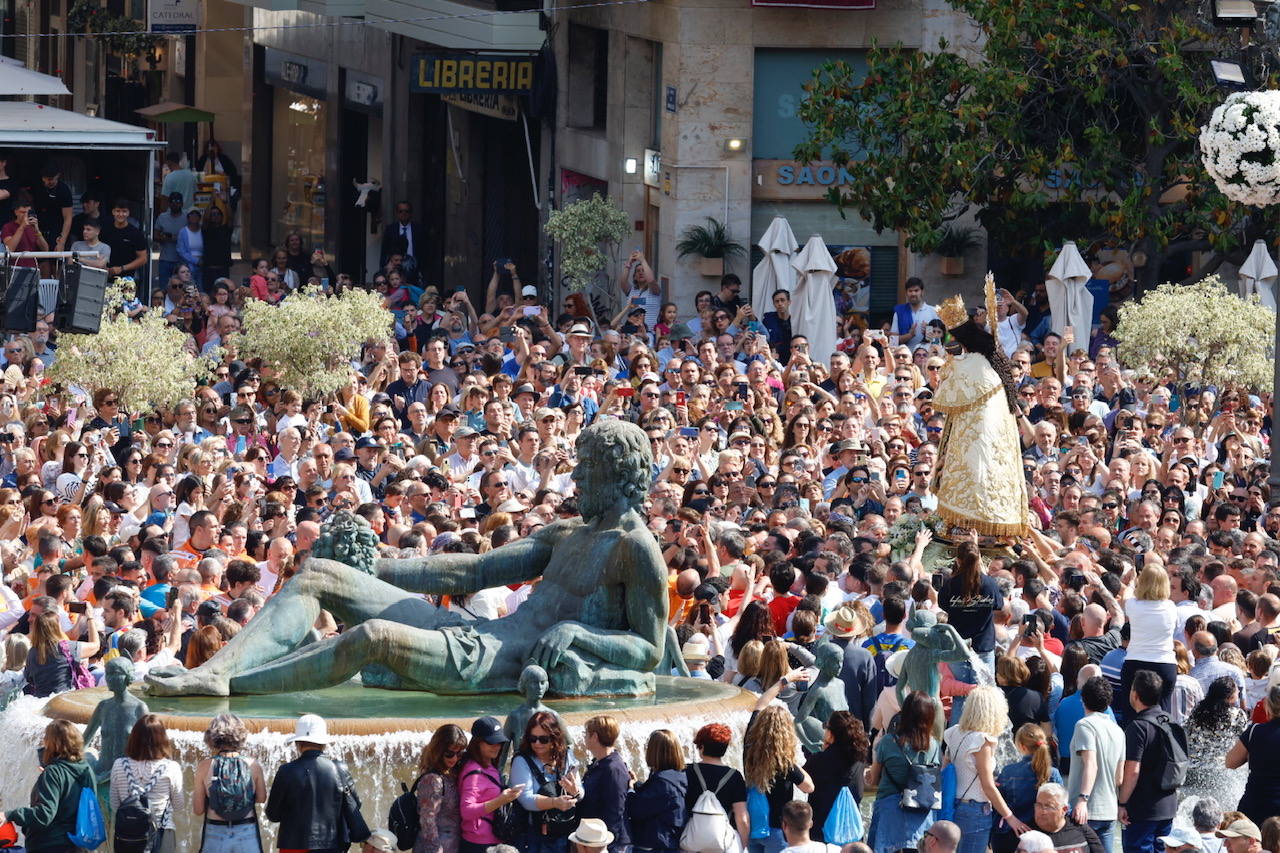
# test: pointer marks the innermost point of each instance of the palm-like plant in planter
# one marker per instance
(711, 242)
(956, 240)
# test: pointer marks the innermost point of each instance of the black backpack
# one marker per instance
(1173, 743)
(402, 819)
(136, 827)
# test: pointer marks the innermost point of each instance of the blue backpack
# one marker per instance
(91, 829)
(231, 790)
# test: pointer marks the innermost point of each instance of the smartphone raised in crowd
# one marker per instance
(689, 432)
(1218, 478)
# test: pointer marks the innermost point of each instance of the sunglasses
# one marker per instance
(702, 491)
(453, 753)
(760, 485)
(244, 420)
(539, 738)
(681, 471)
(1110, 505)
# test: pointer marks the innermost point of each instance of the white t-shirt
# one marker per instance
(1151, 627)
(962, 746)
(1010, 334)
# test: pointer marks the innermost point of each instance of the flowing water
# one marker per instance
(377, 762)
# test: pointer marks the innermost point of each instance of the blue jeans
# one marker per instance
(1106, 832)
(231, 839)
(893, 828)
(773, 844)
(965, 672)
(166, 269)
(543, 844)
(974, 820)
(1142, 836)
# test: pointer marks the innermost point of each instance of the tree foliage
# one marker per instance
(1073, 120)
(1202, 331)
(588, 231)
(309, 340)
(147, 362)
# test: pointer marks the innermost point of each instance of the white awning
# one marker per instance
(18, 79)
(24, 124)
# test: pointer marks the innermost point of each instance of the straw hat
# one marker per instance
(592, 832)
(843, 622)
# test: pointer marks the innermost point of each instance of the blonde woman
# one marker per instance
(970, 746)
(768, 763)
(47, 670)
(16, 647)
(1153, 620)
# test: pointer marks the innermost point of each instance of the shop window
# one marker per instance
(297, 174)
(588, 77)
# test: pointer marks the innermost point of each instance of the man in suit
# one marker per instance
(403, 237)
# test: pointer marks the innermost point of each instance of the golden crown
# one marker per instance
(952, 311)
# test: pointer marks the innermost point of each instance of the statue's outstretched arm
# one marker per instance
(459, 574)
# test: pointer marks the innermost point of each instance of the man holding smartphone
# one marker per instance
(23, 233)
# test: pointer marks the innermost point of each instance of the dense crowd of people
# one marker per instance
(1121, 657)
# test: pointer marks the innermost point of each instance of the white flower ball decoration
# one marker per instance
(1241, 147)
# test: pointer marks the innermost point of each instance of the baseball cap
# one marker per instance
(344, 455)
(1035, 842)
(528, 290)
(1242, 828)
(638, 309)
(209, 608)
(489, 730)
(544, 413)
(464, 432)
(366, 443)
(447, 412)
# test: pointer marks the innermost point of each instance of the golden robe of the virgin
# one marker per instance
(980, 483)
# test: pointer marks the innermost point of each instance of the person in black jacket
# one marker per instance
(839, 765)
(655, 809)
(606, 781)
(308, 794)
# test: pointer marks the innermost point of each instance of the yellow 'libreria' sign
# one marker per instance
(468, 72)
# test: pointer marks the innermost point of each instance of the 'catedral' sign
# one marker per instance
(456, 73)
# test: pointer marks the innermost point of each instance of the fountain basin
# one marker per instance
(378, 733)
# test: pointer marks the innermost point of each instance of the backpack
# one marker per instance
(231, 789)
(551, 823)
(91, 827)
(507, 822)
(844, 822)
(922, 789)
(136, 827)
(1173, 743)
(883, 678)
(709, 829)
(402, 818)
(81, 678)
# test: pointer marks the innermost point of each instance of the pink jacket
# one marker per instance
(476, 786)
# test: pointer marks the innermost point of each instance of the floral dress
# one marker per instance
(1207, 774)
(438, 815)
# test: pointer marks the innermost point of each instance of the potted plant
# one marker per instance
(956, 240)
(711, 242)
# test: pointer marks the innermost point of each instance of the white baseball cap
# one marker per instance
(528, 290)
(310, 728)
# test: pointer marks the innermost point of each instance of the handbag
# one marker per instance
(353, 829)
